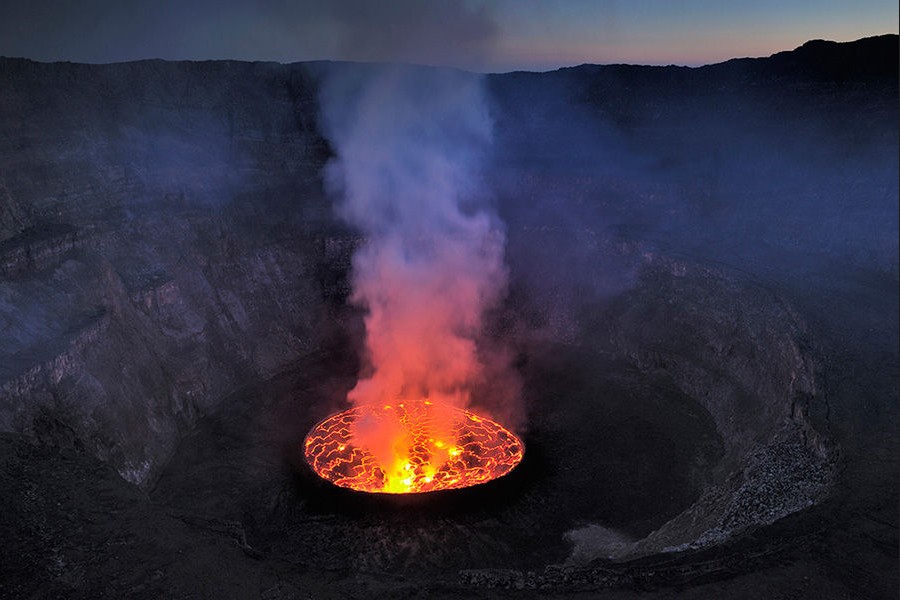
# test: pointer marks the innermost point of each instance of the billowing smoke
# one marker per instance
(410, 144)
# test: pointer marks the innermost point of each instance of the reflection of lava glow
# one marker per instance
(423, 447)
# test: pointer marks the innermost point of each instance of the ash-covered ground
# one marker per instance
(703, 308)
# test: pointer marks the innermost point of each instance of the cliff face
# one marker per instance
(777, 164)
(159, 234)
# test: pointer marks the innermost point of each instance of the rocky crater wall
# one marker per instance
(161, 228)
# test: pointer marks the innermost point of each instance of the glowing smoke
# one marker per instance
(410, 142)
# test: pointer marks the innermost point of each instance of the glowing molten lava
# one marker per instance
(417, 447)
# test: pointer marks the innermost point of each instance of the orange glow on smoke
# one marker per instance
(412, 446)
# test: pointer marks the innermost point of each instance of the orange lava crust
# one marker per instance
(472, 450)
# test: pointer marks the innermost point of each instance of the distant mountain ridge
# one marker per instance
(820, 60)
(876, 56)
(833, 61)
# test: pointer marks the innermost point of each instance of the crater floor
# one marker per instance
(237, 513)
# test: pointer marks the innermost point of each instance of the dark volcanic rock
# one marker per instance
(703, 306)
(162, 226)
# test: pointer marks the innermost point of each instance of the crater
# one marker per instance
(701, 308)
(635, 448)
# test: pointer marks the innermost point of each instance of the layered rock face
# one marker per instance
(160, 227)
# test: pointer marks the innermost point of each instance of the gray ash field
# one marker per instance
(702, 307)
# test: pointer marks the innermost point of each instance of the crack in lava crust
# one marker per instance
(431, 447)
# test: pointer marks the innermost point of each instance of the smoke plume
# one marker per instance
(410, 142)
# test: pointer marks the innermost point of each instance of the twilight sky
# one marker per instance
(481, 35)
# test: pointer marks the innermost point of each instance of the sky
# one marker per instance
(478, 35)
